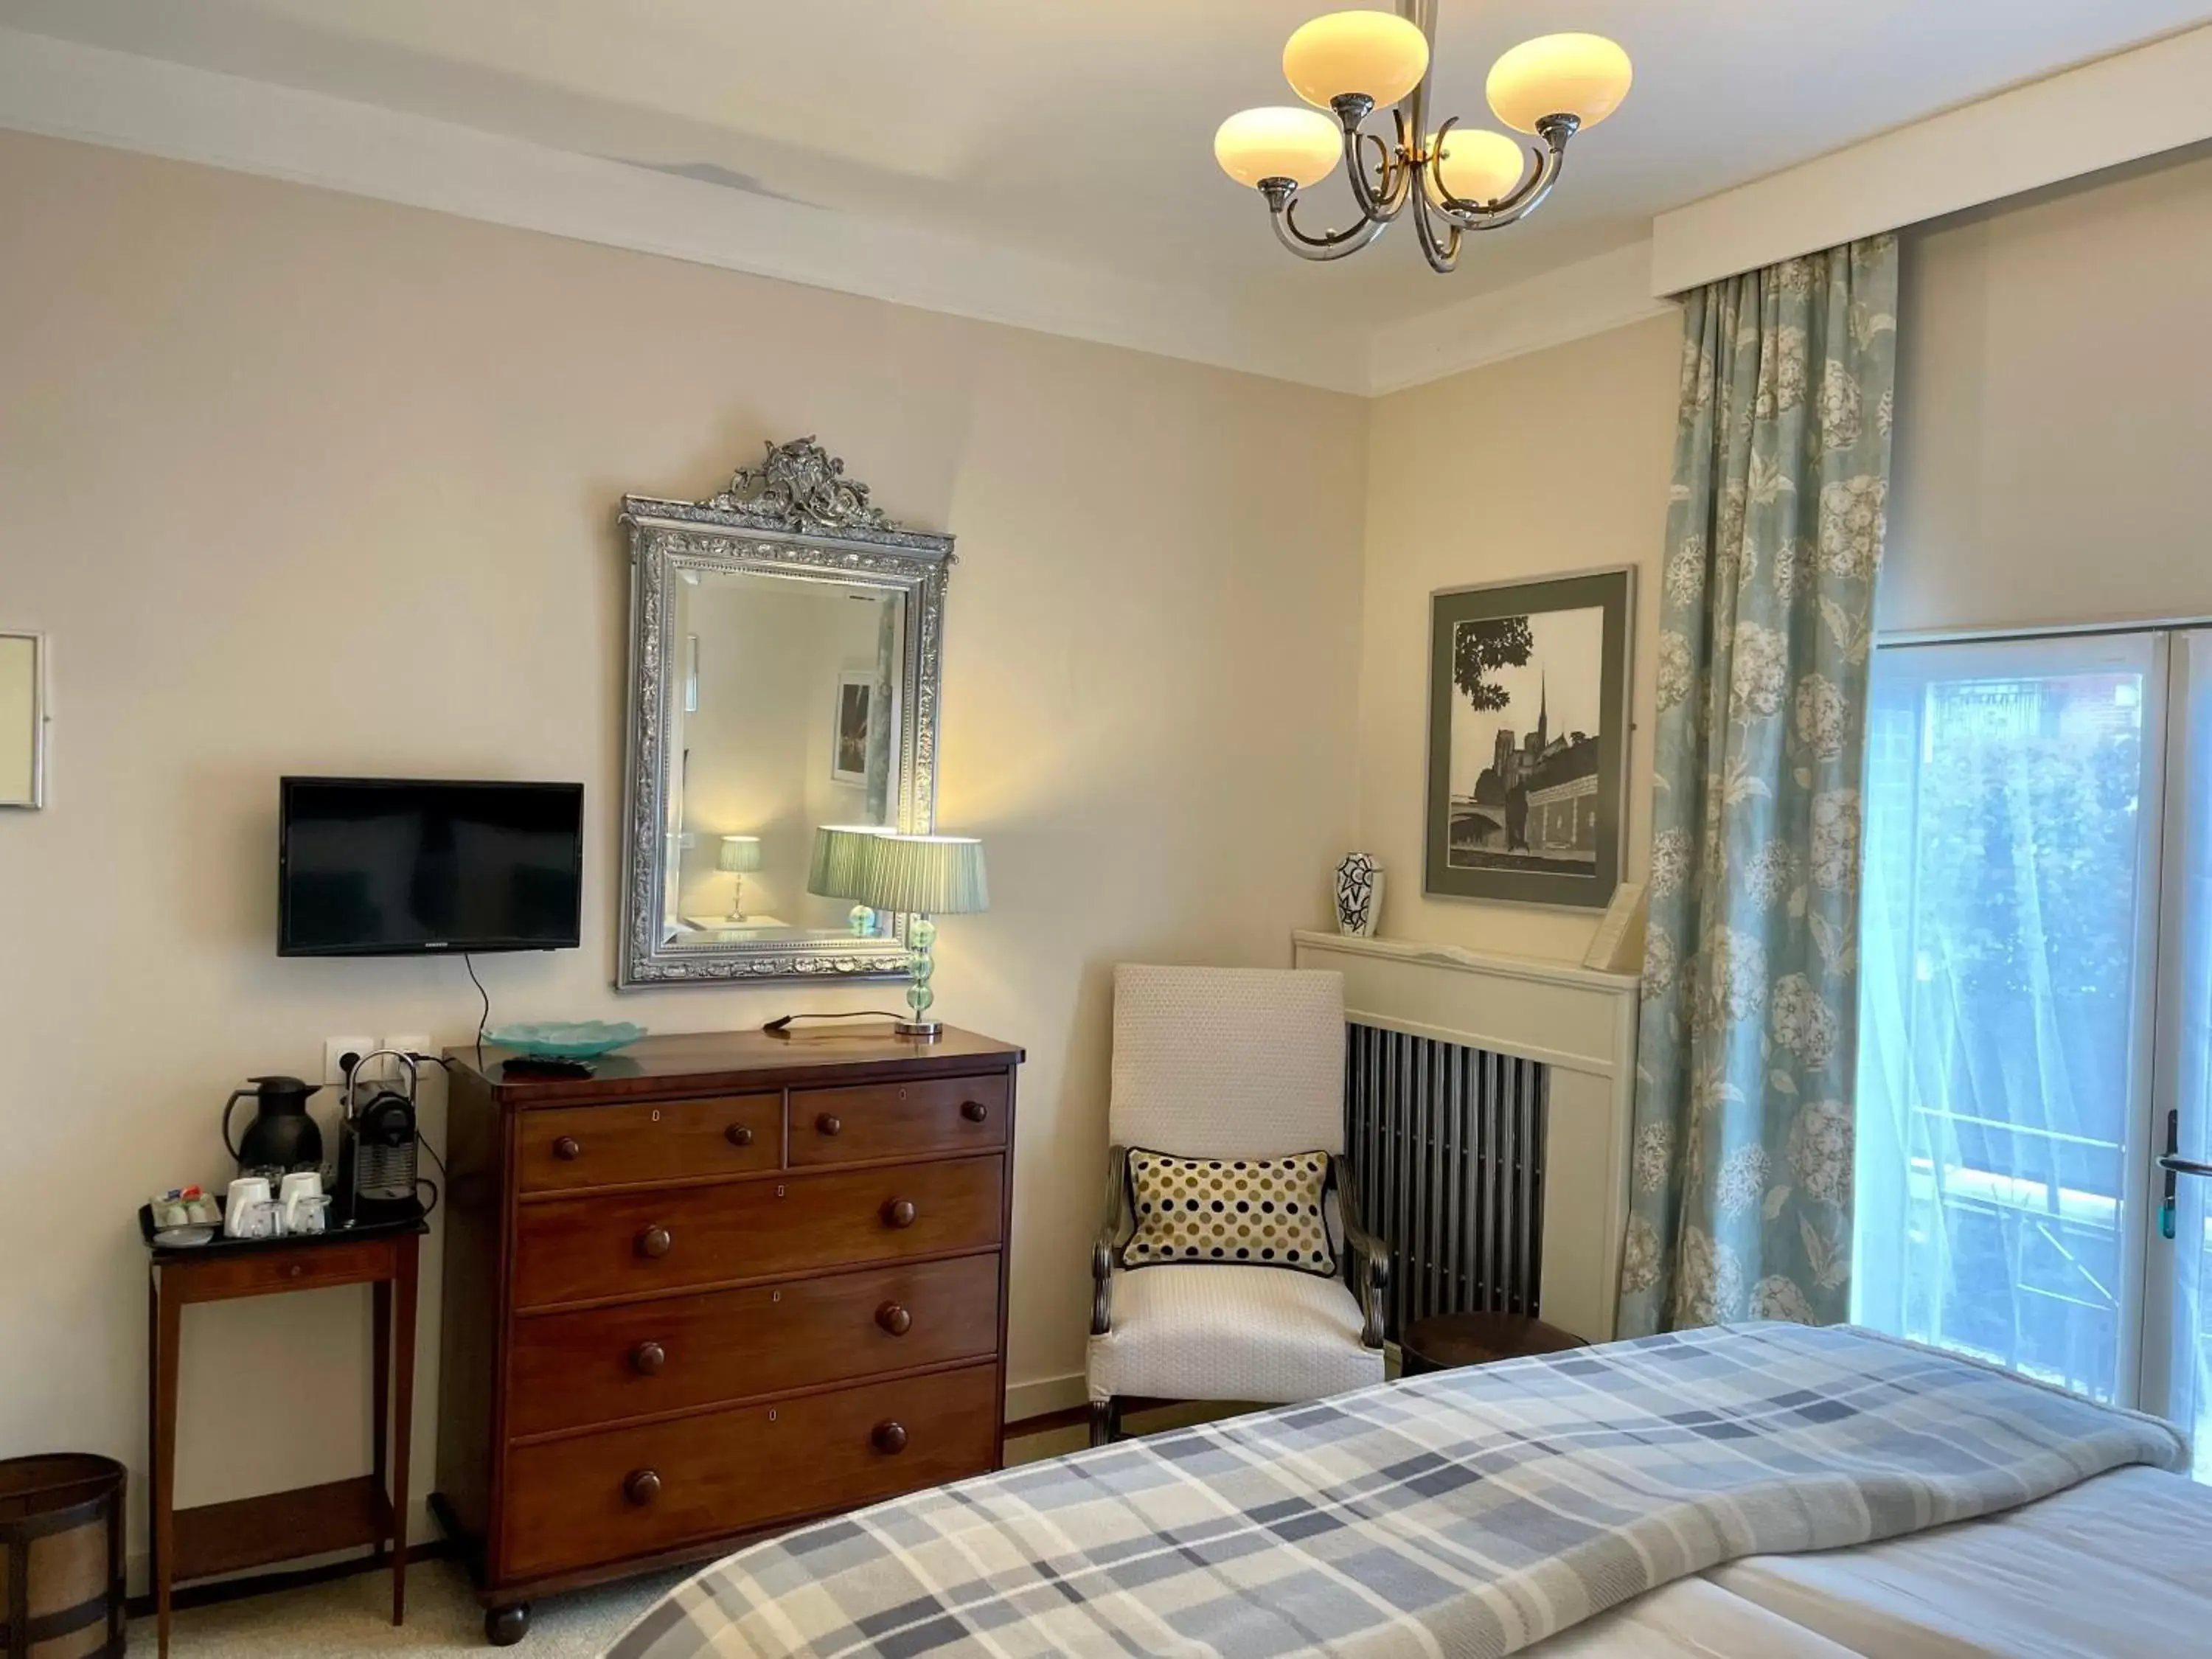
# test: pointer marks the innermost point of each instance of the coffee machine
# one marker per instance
(378, 1134)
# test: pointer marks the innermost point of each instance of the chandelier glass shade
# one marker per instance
(1352, 64)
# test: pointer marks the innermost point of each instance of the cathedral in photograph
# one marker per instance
(1535, 805)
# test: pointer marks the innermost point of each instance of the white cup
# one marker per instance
(248, 1211)
(301, 1200)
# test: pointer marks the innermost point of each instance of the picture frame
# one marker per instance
(848, 727)
(1526, 802)
(24, 714)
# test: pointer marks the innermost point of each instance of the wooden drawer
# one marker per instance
(575, 1502)
(580, 1147)
(603, 1364)
(898, 1120)
(249, 1273)
(621, 1244)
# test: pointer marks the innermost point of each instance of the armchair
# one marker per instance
(1215, 1062)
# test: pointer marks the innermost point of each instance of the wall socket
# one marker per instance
(334, 1051)
(407, 1042)
(387, 1069)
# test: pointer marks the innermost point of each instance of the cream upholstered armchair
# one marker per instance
(1230, 1063)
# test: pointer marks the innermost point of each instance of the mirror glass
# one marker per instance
(782, 712)
(19, 719)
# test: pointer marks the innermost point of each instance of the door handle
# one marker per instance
(2174, 1164)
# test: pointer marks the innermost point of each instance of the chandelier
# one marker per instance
(1350, 63)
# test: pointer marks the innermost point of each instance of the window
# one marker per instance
(2033, 1007)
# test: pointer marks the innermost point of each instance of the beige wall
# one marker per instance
(301, 482)
(2054, 423)
(1553, 462)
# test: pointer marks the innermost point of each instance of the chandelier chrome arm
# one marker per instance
(1441, 253)
(1394, 172)
(1518, 203)
(1282, 210)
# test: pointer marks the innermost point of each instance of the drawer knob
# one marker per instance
(974, 1110)
(739, 1134)
(895, 1319)
(889, 1437)
(899, 1213)
(655, 1242)
(647, 1358)
(567, 1149)
(643, 1486)
(828, 1125)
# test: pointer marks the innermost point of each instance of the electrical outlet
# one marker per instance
(334, 1051)
(407, 1042)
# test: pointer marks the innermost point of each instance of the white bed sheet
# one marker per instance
(2119, 1567)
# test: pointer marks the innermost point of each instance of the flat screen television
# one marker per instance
(397, 866)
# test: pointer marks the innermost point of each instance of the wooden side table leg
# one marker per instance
(402, 1419)
(380, 1381)
(168, 1345)
(153, 1417)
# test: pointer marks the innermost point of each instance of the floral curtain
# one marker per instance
(1741, 1205)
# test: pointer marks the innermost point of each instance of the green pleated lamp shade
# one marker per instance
(922, 875)
(739, 854)
(837, 849)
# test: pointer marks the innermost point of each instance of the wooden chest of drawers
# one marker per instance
(726, 1284)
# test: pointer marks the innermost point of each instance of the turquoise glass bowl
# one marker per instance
(566, 1039)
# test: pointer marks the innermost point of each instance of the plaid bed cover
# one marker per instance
(1467, 1513)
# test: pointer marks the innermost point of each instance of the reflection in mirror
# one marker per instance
(795, 724)
(22, 717)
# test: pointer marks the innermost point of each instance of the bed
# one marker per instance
(1766, 1490)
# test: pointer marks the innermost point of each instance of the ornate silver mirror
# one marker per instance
(784, 645)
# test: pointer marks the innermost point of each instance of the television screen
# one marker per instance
(390, 867)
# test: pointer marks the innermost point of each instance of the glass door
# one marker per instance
(2009, 941)
(2177, 1367)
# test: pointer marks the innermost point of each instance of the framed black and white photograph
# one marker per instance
(856, 696)
(1528, 740)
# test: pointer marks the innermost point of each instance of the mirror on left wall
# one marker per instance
(784, 657)
(22, 719)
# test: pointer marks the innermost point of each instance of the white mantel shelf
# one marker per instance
(1470, 961)
(1577, 1022)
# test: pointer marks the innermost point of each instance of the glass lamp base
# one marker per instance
(921, 967)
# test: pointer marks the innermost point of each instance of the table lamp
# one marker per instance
(922, 876)
(837, 849)
(739, 854)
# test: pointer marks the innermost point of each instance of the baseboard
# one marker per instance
(209, 1593)
(1042, 1396)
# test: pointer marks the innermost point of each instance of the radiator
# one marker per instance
(1446, 1146)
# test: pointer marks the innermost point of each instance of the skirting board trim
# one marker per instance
(1041, 1396)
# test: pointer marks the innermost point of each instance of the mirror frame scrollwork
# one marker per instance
(795, 516)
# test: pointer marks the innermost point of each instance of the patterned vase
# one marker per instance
(1359, 896)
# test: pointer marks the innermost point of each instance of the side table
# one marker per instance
(214, 1539)
(1443, 1341)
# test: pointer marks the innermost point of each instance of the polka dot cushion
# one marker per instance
(1259, 1211)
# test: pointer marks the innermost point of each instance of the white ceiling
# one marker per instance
(1082, 129)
